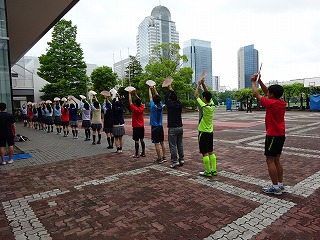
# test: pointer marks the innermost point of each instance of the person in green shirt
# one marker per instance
(205, 128)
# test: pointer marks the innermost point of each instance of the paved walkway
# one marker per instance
(71, 189)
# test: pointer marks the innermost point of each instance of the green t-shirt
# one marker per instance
(206, 112)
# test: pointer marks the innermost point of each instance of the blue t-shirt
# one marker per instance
(156, 114)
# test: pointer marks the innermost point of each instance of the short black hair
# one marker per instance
(3, 106)
(207, 96)
(156, 99)
(86, 106)
(276, 90)
(137, 101)
(72, 105)
(173, 96)
(96, 104)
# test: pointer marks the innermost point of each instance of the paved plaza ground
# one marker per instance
(71, 189)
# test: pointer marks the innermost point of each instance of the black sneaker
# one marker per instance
(163, 159)
(142, 155)
(159, 160)
(173, 165)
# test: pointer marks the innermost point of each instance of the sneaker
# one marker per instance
(10, 161)
(159, 160)
(93, 143)
(87, 139)
(272, 190)
(163, 159)
(282, 188)
(205, 174)
(4, 163)
(173, 165)
(135, 156)
(98, 142)
(214, 173)
(109, 147)
(181, 162)
(120, 151)
(142, 155)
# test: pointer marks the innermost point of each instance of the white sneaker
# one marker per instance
(10, 161)
(4, 163)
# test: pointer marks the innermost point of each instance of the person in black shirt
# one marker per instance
(175, 129)
(7, 132)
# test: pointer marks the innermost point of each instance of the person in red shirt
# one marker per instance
(137, 109)
(275, 131)
(65, 118)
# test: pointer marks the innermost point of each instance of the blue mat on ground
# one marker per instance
(19, 156)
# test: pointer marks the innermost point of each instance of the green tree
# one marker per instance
(52, 90)
(133, 72)
(64, 60)
(165, 64)
(103, 78)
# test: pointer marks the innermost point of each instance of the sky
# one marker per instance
(285, 32)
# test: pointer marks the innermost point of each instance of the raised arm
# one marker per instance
(254, 86)
(196, 93)
(150, 94)
(263, 87)
(130, 98)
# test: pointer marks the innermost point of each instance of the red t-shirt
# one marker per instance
(274, 119)
(137, 115)
(65, 114)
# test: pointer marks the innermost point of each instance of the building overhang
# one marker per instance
(28, 21)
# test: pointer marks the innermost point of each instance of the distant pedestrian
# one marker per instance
(249, 106)
(175, 127)
(29, 115)
(57, 116)
(24, 114)
(275, 131)
(39, 110)
(108, 121)
(157, 134)
(86, 118)
(73, 116)
(44, 117)
(65, 118)
(118, 122)
(35, 116)
(96, 123)
(205, 128)
(49, 119)
(137, 111)
(7, 131)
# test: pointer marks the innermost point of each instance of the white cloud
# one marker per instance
(284, 32)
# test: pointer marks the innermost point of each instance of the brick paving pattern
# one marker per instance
(71, 189)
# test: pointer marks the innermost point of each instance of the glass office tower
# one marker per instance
(154, 30)
(5, 78)
(248, 64)
(199, 54)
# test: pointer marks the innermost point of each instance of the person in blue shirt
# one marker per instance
(73, 117)
(157, 134)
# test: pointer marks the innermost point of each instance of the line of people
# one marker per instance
(41, 117)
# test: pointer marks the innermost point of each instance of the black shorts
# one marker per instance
(5, 141)
(273, 145)
(137, 133)
(157, 134)
(65, 124)
(205, 140)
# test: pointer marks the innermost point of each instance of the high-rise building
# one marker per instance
(248, 64)
(215, 83)
(154, 30)
(199, 54)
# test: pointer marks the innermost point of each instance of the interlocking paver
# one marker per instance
(70, 189)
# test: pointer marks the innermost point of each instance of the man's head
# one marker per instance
(206, 96)
(137, 102)
(3, 107)
(173, 96)
(275, 91)
(156, 99)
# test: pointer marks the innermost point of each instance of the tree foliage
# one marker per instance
(103, 78)
(63, 62)
(133, 72)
